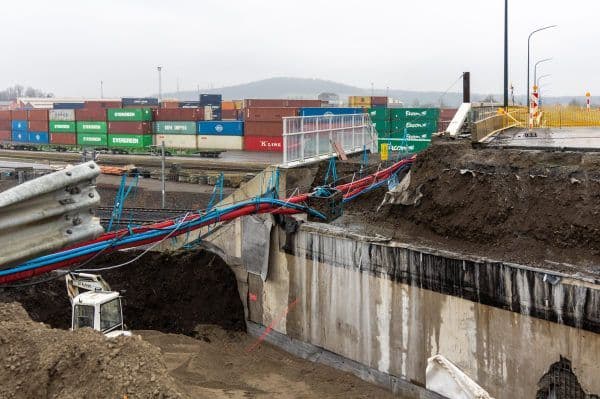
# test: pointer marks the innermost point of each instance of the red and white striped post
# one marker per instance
(588, 101)
(534, 108)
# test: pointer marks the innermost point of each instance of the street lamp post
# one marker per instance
(537, 83)
(529, 57)
(159, 69)
(505, 54)
(535, 68)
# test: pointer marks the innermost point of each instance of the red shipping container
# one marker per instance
(228, 114)
(264, 103)
(130, 127)
(20, 114)
(271, 129)
(178, 114)
(280, 103)
(37, 115)
(263, 144)
(268, 114)
(37, 126)
(304, 103)
(5, 124)
(102, 104)
(381, 101)
(63, 138)
(446, 114)
(5, 116)
(5, 135)
(90, 114)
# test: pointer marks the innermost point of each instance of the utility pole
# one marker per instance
(466, 87)
(159, 68)
(162, 172)
(101, 89)
(506, 54)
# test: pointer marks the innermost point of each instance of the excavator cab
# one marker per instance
(98, 308)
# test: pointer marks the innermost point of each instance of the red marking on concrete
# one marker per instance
(253, 297)
(271, 326)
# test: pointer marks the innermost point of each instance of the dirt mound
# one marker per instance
(526, 205)
(168, 292)
(40, 362)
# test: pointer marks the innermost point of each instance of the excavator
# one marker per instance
(98, 307)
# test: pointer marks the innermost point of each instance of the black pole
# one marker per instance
(506, 54)
(466, 87)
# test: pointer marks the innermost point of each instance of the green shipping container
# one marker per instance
(129, 140)
(129, 114)
(415, 114)
(92, 127)
(408, 146)
(175, 127)
(382, 127)
(92, 139)
(413, 128)
(379, 113)
(62, 127)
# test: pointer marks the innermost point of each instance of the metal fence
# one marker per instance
(311, 138)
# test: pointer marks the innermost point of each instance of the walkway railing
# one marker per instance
(311, 138)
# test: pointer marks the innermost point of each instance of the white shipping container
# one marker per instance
(187, 141)
(61, 115)
(220, 142)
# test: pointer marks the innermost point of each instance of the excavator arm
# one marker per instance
(84, 281)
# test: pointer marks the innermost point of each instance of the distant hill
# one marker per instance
(302, 88)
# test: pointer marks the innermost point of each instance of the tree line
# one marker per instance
(16, 91)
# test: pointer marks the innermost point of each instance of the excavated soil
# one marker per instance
(534, 207)
(168, 292)
(40, 362)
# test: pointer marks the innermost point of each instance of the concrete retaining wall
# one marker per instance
(390, 306)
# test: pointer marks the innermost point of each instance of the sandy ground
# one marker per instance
(222, 366)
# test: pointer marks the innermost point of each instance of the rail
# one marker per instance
(311, 138)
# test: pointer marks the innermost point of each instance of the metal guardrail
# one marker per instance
(48, 213)
(311, 138)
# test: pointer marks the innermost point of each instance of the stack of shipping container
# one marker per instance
(129, 127)
(263, 121)
(177, 126)
(207, 124)
(62, 126)
(410, 129)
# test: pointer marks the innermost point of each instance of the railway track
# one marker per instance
(139, 215)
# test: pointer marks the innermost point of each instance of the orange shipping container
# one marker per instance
(227, 105)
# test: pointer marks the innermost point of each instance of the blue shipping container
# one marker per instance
(38, 137)
(315, 111)
(68, 105)
(19, 125)
(211, 99)
(19, 136)
(142, 101)
(222, 128)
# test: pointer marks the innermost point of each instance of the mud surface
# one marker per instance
(531, 207)
(172, 293)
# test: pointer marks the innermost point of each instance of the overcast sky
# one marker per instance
(67, 47)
